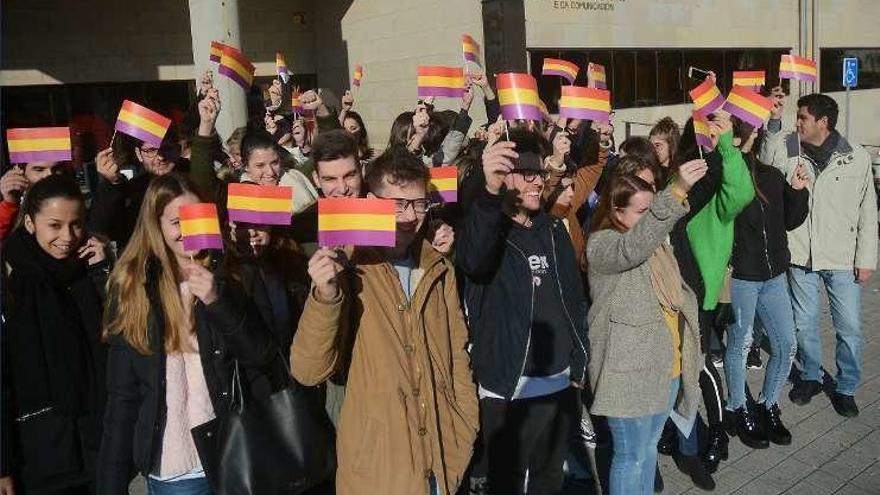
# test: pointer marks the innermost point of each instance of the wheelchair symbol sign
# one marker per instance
(850, 72)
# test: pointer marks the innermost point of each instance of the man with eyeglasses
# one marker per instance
(527, 315)
(120, 192)
(409, 417)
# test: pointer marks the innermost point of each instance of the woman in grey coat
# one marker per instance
(645, 354)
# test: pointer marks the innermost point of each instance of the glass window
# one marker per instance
(670, 77)
(831, 68)
(646, 78)
(623, 91)
(710, 60)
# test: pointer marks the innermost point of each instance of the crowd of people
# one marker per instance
(577, 298)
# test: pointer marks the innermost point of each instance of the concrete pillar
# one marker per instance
(217, 20)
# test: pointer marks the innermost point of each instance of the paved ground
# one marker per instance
(828, 455)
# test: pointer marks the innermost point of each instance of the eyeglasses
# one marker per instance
(530, 176)
(150, 152)
(419, 206)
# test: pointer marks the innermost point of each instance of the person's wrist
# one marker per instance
(206, 128)
(679, 193)
(322, 110)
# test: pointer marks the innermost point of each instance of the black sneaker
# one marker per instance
(845, 405)
(753, 360)
(668, 439)
(803, 391)
(716, 450)
(693, 467)
(774, 429)
(748, 431)
(658, 481)
(718, 359)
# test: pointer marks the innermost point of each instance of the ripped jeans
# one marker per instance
(771, 301)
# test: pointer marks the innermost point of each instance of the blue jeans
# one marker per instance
(194, 486)
(771, 301)
(844, 295)
(634, 446)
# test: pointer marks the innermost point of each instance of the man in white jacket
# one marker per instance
(836, 245)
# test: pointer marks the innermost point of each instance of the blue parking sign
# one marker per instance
(850, 72)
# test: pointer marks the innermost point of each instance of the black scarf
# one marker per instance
(822, 154)
(53, 327)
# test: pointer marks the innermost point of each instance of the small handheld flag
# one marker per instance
(754, 79)
(441, 81)
(200, 227)
(295, 102)
(749, 106)
(444, 184)
(701, 130)
(561, 68)
(799, 68)
(38, 144)
(142, 123)
(578, 102)
(235, 66)
(357, 222)
(216, 51)
(263, 205)
(281, 67)
(596, 76)
(707, 98)
(471, 49)
(518, 96)
(358, 75)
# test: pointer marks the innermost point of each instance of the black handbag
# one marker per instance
(282, 445)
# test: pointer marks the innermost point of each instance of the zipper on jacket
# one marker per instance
(564, 307)
(766, 242)
(522, 368)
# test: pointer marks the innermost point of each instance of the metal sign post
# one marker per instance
(850, 80)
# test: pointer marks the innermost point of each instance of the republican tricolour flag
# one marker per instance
(358, 75)
(261, 205)
(749, 106)
(799, 68)
(596, 76)
(518, 96)
(216, 51)
(444, 184)
(471, 49)
(754, 79)
(578, 102)
(702, 132)
(38, 144)
(235, 66)
(142, 123)
(200, 227)
(561, 68)
(281, 67)
(707, 98)
(356, 222)
(441, 81)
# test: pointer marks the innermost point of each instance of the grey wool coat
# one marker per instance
(630, 346)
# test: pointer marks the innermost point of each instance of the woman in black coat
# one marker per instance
(53, 376)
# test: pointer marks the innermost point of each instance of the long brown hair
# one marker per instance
(743, 130)
(617, 195)
(126, 285)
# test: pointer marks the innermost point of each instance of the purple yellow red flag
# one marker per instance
(235, 66)
(216, 51)
(518, 96)
(799, 68)
(441, 81)
(561, 68)
(356, 222)
(444, 184)
(748, 106)
(578, 102)
(262, 205)
(358, 75)
(38, 144)
(295, 102)
(754, 79)
(470, 48)
(200, 227)
(142, 123)
(596, 76)
(702, 132)
(707, 98)
(281, 67)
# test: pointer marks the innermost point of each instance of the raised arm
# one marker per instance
(737, 189)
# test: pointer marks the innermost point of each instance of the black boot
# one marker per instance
(775, 431)
(658, 480)
(716, 450)
(668, 439)
(693, 467)
(748, 431)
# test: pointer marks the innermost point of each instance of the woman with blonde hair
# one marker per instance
(176, 329)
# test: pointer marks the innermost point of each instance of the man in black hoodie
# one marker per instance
(527, 313)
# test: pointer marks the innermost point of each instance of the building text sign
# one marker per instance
(587, 5)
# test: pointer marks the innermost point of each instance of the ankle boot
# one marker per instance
(658, 481)
(693, 467)
(774, 429)
(668, 439)
(748, 431)
(716, 450)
